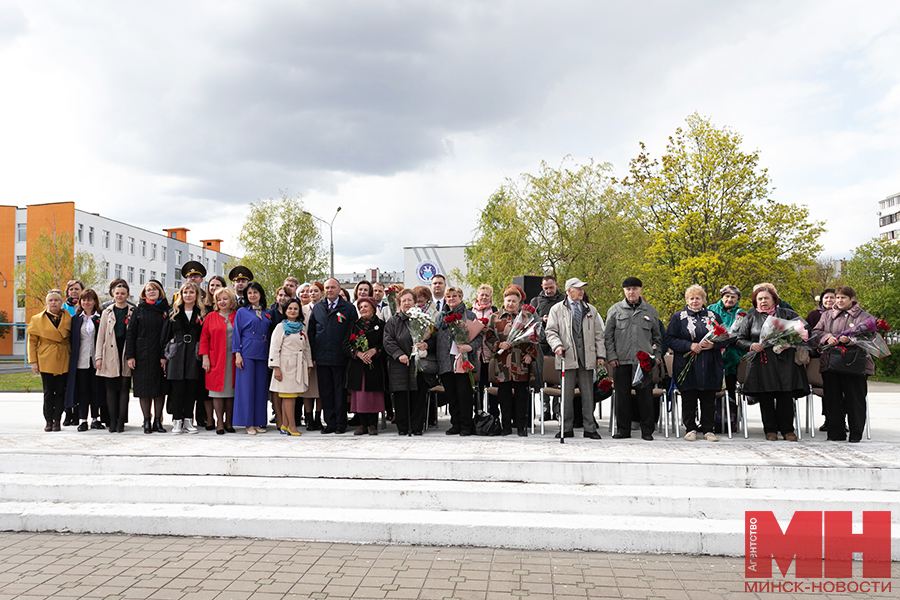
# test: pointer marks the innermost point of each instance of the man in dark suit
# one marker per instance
(328, 324)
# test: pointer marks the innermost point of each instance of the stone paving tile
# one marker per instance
(109, 567)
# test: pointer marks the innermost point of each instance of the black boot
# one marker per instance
(310, 424)
(148, 428)
(157, 426)
(318, 421)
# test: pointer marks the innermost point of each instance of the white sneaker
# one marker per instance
(711, 437)
(176, 427)
(691, 436)
(189, 426)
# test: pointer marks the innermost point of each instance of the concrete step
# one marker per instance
(354, 494)
(486, 469)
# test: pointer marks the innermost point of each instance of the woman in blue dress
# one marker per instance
(250, 345)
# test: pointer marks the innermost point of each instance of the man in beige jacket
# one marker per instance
(575, 335)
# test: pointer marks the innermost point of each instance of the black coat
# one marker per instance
(75, 337)
(397, 343)
(775, 372)
(326, 330)
(542, 304)
(185, 362)
(143, 343)
(375, 377)
(687, 327)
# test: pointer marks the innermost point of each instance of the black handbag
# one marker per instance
(847, 360)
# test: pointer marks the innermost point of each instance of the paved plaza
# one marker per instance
(114, 567)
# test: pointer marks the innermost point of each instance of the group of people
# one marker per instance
(215, 358)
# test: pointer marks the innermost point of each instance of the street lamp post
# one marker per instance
(330, 232)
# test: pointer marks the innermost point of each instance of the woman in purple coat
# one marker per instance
(250, 345)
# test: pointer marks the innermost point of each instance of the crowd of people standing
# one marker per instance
(217, 356)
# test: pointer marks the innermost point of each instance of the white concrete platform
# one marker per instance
(665, 496)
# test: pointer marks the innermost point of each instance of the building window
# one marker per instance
(118, 271)
(130, 274)
(21, 232)
(91, 236)
(177, 257)
(20, 259)
(173, 235)
(152, 251)
(164, 253)
(20, 334)
(143, 249)
(105, 270)
(131, 246)
(163, 280)
(106, 239)
(152, 274)
(118, 242)
(178, 284)
(20, 300)
(80, 233)
(142, 276)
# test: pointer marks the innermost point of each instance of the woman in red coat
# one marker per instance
(218, 361)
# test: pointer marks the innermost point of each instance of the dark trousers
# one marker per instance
(731, 386)
(181, 398)
(777, 411)
(54, 395)
(622, 376)
(844, 394)
(331, 389)
(89, 393)
(514, 397)
(118, 391)
(459, 396)
(409, 408)
(707, 401)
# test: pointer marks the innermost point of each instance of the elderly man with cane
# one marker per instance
(575, 335)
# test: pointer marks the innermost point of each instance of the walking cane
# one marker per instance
(562, 399)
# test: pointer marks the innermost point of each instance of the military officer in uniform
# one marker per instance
(240, 277)
(193, 271)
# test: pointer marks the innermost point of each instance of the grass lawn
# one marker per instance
(20, 381)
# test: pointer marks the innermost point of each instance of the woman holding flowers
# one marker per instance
(483, 309)
(844, 392)
(406, 382)
(774, 378)
(454, 365)
(512, 363)
(729, 310)
(364, 345)
(696, 336)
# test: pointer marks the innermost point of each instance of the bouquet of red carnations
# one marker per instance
(524, 328)
(780, 334)
(867, 335)
(641, 374)
(461, 334)
(718, 333)
(361, 343)
(391, 294)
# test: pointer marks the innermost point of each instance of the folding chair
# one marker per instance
(551, 387)
(815, 389)
(668, 409)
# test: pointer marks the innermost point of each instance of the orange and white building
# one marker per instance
(122, 250)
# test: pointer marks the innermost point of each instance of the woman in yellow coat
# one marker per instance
(48, 353)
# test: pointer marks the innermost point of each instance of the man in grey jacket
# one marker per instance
(575, 335)
(632, 326)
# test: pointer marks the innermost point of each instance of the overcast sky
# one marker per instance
(408, 115)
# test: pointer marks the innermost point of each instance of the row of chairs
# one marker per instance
(669, 400)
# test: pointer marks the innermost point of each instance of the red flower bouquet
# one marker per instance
(718, 333)
(524, 328)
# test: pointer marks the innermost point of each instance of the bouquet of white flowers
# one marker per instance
(420, 327)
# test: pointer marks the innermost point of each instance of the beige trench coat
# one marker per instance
(291, 354)
(106, 351)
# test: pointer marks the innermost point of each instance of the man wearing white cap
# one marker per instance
(575, 335)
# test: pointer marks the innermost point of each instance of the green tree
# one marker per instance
(51, 263)
(707, 206)
(574, 221)
(279, 239)
(874, 273)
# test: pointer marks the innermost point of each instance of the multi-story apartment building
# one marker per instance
(889, 217)
(122, 250)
